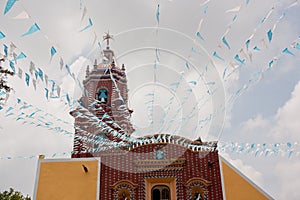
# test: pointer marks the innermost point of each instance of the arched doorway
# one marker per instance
(160, 192)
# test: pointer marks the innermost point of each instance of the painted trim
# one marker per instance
(36, 178)
(222, 176)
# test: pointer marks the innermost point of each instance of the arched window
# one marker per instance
(160, 192)
(102, 95)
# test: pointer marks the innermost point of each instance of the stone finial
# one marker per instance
(87, 72)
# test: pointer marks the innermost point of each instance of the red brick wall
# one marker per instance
(119, 167)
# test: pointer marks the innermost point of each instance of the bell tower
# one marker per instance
(105, 97)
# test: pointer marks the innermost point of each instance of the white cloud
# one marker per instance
(289, 173)
(282, 127)
(247, 170)
(288, 116)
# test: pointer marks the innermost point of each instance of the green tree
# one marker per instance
(13, 195)
(3, 77)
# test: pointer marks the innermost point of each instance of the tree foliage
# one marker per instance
(13, 195)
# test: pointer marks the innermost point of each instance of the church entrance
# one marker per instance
(160, 192)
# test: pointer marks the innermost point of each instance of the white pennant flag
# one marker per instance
(12, 48)
(22, 15)
(20, 73)
(236, 9)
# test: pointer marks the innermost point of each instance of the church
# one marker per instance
(108, 163)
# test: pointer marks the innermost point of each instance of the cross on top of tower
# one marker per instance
(107, 37)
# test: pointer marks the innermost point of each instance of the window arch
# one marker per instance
(102, 95)
(160, 192)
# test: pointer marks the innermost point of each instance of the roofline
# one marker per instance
(243, 176)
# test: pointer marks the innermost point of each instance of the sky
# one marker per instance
(189, 59)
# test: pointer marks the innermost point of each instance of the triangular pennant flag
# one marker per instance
(199, 36)
(31, 30)
(236, 9)
(20, 73)
(157, 14)
(61, 62)
(58, 91)
(22, 15)
(225, 42)
(256, 48)
(12, 47)
(34, 83)
(47, 93)
(5, 50)
(247, 44)
(46, 80)
(205, 9)
(41, 74)
(270, 35)
(217, 56)
(68, 69)
(27, 78)
(12, 66)
(287, 51)
(88, 26)
(236, 57)
(20, 56)
(52, 51)
(15, 56)
(2, 35)
(31, 67)
(9, 5)
(297, 46)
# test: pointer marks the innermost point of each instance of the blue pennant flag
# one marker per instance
(88, 26)
(68, 69)
(270, 35)
(225, 42)
(199, 36)
(193, 82)
(68, 99)
(9, 5)
(52, 51)
(2, 35)
(12, 66)
(217, 56)
(205, 9)
(287, 51)
(187, 65)
(20, 56)
(256, 48)
(31, 30)
(157, 14)
(271, 63)
(47, 93)
(41, 74)
(27, 78)
(5, 49)
(236, 57)
(247, 44)
(297, 46)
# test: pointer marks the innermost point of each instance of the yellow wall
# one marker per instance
(66, 179)
(238, 187)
